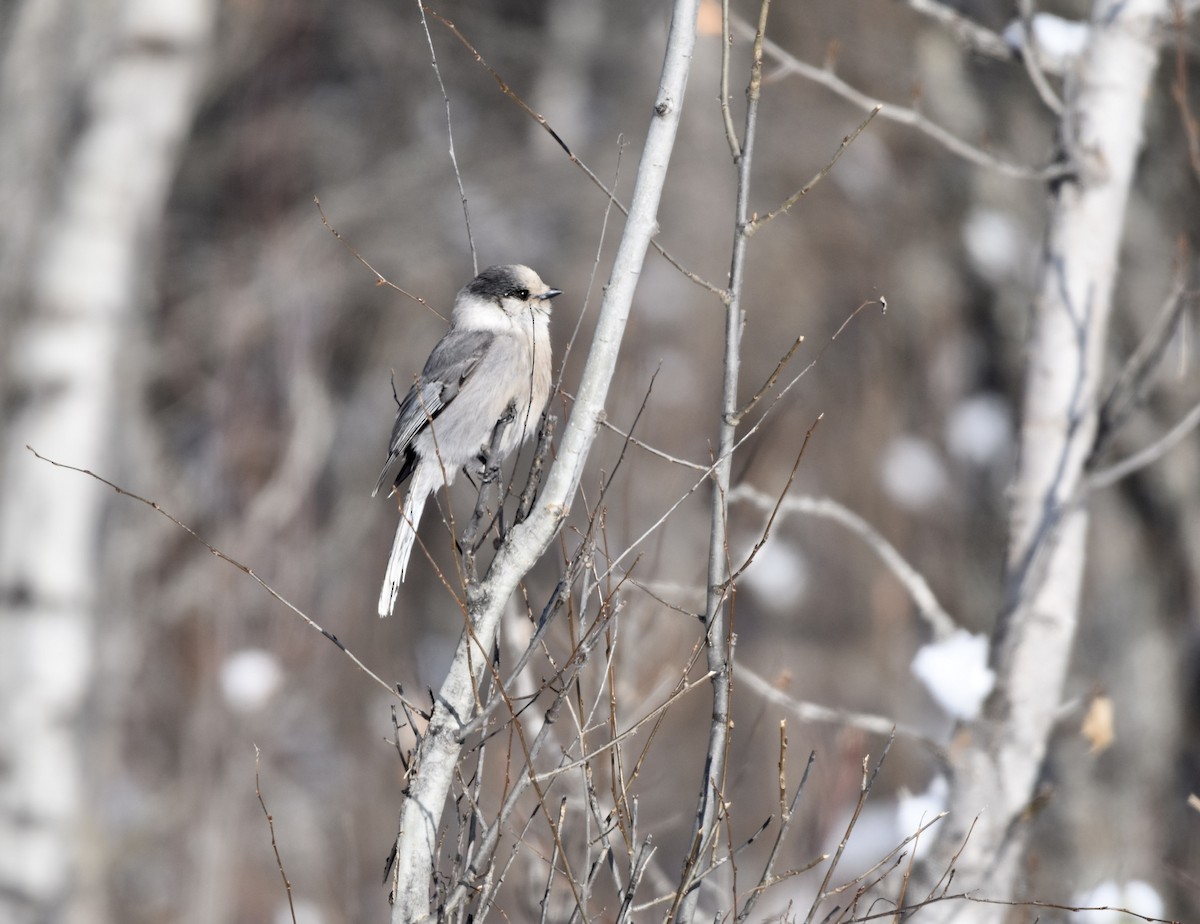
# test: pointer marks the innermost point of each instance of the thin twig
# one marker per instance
(1179, 90)
(787, 811)
(946, 879)
(471, 538)
(627, 733)
(1128, 388)
(541, 455)
(571, 156)
(881, 302)
(732, 851)
(249, 572)
(906, 878)
(644, 755)
(735, 147)
(766, 530)
(462, 193)
(645, 852)
(750, 433)
(719, 638)
(1147, 456)
(608, 482)
(922, 827)
(868, 781)
(814, 712)
(774, 378)
(553, 863)
(975, 37)
(287, 885)
(918, 588)
(608, 207)
(758, 221)
(654, 592)
(634, 441)
(1074, 909)
(489, 840)
(380, 279)
(904, 115)
(1031, 57)
(771, 379)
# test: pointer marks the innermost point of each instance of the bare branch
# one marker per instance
(1031, 58)
(471, 540)
(758, 221)
(1147, 456)
(1127, 391)
(815, 712)
(918, 588)
(903, 115)
(645, 852)
(735, 147)
(868, 782)
(766, 530)
(719, 640)
(287, 885)
(1072, 908)
(883, 307)
(750, 432)
(975, 37)
(249, 572)
(609, 202)
(541, 456)
(571, 156)
(1179, 90)
(787, 812)
(666, 456)
(627, 733)
(553, 864)
(771, 379)
(380, 279)
(654, 590)
(915, 836)
(462, 193)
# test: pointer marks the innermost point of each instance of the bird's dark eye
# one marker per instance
(522, 294)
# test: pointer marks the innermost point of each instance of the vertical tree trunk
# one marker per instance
(77, 281)
(995, 772)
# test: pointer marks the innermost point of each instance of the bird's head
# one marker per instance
(514, 288)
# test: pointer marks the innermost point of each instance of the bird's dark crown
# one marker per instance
(507, 281)
(496, 282)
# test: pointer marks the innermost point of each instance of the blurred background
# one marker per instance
(171, 284)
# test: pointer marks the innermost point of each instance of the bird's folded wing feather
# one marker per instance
(448, 367)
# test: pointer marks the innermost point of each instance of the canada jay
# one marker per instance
(494, 358)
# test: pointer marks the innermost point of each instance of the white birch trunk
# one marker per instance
(996, 769)
(81, 286)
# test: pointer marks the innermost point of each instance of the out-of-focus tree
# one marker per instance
(996, 770)
(95, 103)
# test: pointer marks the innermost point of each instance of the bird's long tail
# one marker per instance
(406, 535)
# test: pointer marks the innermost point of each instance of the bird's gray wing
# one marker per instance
(447, 368)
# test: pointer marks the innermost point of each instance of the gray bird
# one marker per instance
(495, 356)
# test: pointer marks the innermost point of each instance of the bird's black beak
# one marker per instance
(550, 293)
